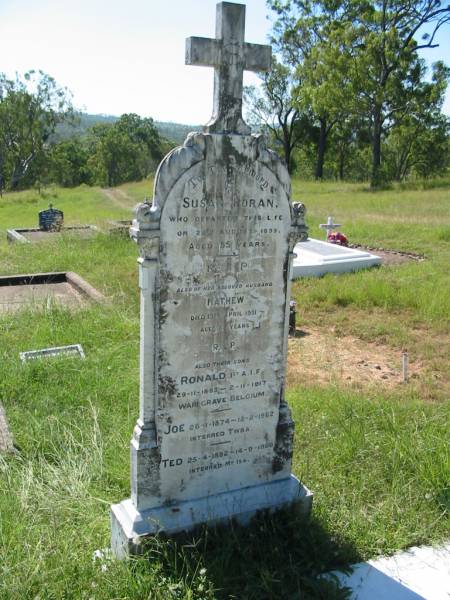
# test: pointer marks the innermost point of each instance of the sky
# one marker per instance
(119, 56)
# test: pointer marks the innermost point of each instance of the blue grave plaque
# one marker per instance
(51, 219)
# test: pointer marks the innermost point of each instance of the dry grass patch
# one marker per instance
(320, 356)
(119, 198)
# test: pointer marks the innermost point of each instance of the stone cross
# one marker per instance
(329, 226)
(230, 55)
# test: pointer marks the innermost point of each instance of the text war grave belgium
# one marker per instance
(214, 436)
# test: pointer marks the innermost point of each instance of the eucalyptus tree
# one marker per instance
(418, 142)
(302, 34)
(30, 109)
(359, 56)
(385, 67)
(125, 150)
(68, 162)
(274, 106)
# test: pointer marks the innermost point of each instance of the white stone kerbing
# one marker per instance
(14, 236)
(419, 573)
(315, 258)
(130, 527)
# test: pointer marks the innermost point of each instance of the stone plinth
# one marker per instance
(131, 527)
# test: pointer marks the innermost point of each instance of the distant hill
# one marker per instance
(83, 122)
(174, 132)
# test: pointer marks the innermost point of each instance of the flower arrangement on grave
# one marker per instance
(336, 237)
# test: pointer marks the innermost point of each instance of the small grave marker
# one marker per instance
(51, 219)
(72, 350)
(329, 226)
(6, 439)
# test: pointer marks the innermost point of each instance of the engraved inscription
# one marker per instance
(224, 243)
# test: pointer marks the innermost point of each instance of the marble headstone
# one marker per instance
(214, 436)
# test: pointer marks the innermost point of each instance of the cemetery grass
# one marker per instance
(377, 462)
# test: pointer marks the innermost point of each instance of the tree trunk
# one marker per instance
(321, 148)
(376, 148)
(287, 156)
(341, 164)
(286, 140)
(16, 176)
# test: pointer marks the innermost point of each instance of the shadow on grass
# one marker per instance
(279, 556)
(299, 333)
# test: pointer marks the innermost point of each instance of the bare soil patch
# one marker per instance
(390, 257)
(38, 290)
(319, 356)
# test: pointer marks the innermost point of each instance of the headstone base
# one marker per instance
(130, 527)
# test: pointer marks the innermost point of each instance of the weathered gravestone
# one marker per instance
(51, 219)
(214, 436)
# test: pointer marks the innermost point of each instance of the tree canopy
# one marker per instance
(360, 77)
(30, 109)
(109, 153)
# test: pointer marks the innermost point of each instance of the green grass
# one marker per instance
(387, 459)
(138, 190)
(408, 304)
(378, 465)
(81, 205)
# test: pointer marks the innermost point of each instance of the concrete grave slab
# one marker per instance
(419, 573)
(120, 227)
(36, 289)
(25, 235)
(316, 258)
